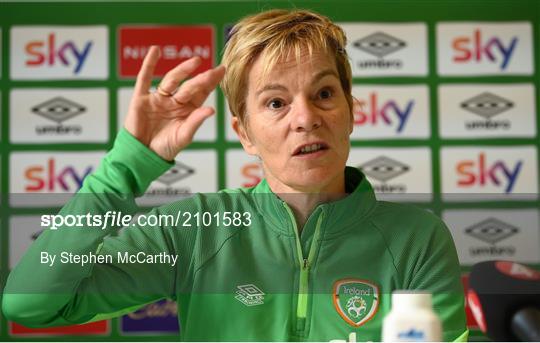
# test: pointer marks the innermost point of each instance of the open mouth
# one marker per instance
(310, 149)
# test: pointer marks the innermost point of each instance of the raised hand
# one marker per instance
(167, 119)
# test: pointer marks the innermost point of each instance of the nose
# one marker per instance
(305, 115)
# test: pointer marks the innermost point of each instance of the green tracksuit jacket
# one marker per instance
(259, 280)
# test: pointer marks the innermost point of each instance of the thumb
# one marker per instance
(194, 121)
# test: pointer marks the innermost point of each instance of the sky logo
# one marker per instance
(473, 172)
(387, 113)
(477, 48)
(49, 178)
(50, 52)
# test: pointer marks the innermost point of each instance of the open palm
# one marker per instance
(167, 120)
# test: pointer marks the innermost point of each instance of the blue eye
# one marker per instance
(275, 104)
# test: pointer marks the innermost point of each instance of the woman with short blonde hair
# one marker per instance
(308, 254)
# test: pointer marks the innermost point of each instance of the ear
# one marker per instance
(241, 131)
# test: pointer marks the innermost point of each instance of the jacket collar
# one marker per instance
(339, 214)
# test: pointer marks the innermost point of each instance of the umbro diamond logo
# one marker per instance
(249, 295)
(58, 109)
(383, 168)
(379, 44)
(487, 105)
(178, 172)
(491, 230)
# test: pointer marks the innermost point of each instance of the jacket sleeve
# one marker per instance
(37, 294)
(437, 270)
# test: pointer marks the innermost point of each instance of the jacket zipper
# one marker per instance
(305, 264)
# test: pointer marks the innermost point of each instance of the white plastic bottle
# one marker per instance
(411, 319)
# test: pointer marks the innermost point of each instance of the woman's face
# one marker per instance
(298, 122)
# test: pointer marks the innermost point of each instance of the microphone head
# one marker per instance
(497, 290)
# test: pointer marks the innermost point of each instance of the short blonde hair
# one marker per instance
(279, 33)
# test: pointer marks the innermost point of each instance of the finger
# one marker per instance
(193, 122)
(144, 77)
(199, 87)
(172, 79)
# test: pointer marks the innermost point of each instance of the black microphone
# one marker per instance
(504, 298)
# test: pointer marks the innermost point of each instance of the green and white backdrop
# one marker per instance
(449, 122)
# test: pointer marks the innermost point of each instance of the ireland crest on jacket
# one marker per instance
(356, 300)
